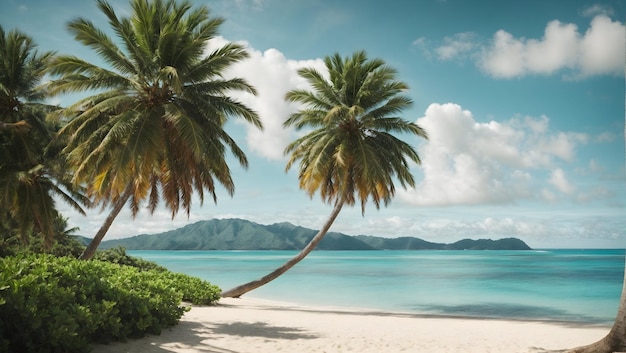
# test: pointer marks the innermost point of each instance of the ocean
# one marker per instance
(572, 286)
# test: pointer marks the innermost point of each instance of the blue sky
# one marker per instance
(523, 102)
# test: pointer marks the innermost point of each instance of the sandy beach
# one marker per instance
(257, 326)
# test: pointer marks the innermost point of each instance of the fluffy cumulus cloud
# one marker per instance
(602, 47)
(272, 75)
(509, 56)
(597, 51)
(470, 162)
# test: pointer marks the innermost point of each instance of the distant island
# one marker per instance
(239, 234)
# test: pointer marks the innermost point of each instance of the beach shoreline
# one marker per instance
(255, 325)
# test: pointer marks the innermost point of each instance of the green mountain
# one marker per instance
(239, 234)
(410, 243)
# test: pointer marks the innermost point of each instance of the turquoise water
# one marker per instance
(579, 286)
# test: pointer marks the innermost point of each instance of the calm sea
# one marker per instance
(579, 286)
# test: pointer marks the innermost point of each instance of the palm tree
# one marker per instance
(155, 126)
(30, 174)
(350, 153)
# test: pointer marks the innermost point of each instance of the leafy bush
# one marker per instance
(118, 256)
(193, 289)
(50, 304)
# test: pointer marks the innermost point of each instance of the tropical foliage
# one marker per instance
(64, 242)
(352, 152)
(31, 168)
(152, 128)
(61, 304)
(155, 126)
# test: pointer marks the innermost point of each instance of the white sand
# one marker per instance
(255, 326)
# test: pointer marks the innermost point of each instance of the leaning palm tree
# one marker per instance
(30, 175)
(350, 153)
(155, 126)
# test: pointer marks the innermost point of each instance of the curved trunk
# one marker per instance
(117, 207)
(245, 288)
(615, 340)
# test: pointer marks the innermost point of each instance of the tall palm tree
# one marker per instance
(155, 126)
(30, 175)
(351, 152)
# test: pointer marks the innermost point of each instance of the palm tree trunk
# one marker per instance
(245, 288)
(117, 207)
(615, 340)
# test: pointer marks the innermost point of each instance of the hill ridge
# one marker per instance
(241, 234)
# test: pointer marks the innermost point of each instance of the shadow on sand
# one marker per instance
(199, 337)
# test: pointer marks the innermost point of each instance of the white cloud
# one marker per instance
(420, 42)
(505, 58)
(598, 51)
(562, 144)
(469, 162)
(272, 75)
(559, 180)
(510, 57)
(605, 137)
(597, 9)
(556, 50)
(538, 229)
(423, 44)
(456, 45)
(537, 126)
(548, 195)
(507, 225)
(599, 192)
(124, 224)
(602, 48)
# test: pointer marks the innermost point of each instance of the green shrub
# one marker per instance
(37, 314)
(193, 289)
(50, 304)
(118, 256)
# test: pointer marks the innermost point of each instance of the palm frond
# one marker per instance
(352, 154)
(156, 124)
(85, 32)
